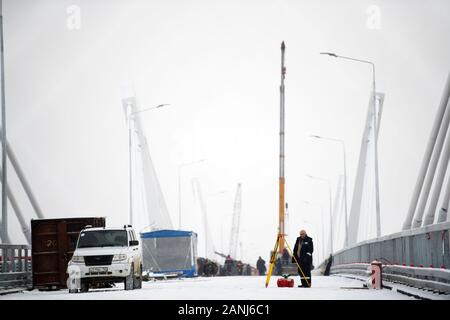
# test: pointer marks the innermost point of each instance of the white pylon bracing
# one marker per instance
(235, 223)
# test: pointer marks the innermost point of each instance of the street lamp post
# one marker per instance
(130, 160)
(331, 213)
(375, 135)
(179, 187)
(323, 223)
(345, 180)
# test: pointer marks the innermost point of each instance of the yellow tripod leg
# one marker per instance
(272, 261)
(292, 254)
(269, 274)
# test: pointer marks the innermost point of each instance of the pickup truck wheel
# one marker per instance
(137, 283)
(129, 280)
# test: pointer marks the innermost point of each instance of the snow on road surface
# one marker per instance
(225, 288)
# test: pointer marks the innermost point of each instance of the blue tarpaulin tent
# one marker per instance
(170, 251)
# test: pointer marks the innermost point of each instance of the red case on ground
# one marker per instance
(282, 282)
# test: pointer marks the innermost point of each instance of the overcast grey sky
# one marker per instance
(217, 63)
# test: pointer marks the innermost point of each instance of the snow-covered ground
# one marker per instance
(225, 288)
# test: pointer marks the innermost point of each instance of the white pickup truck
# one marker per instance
(105, 256)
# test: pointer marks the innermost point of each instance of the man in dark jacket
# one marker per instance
(261, 266)
(303, 251)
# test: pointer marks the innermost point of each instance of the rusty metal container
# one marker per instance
(53, 242)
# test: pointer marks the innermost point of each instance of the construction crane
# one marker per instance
(235, 223)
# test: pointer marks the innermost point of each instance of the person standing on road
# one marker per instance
(303, 251)
(261, 266)
(285, 256)
(279, 266)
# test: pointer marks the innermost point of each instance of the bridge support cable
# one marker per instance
(23, 223)
(4, 237)
(235, 224)
(439, 179)
(337, 209)
(427, 156)
(443, 212)
(26, 186)
(430, 175)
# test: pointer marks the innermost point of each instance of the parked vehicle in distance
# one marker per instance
(106, 256)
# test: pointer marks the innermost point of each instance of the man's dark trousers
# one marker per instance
(306, 268)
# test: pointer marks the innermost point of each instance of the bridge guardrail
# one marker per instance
(15, 266)
(427, 247)
(432, 279)
(418, 257)
(424, 278)
(360, 269)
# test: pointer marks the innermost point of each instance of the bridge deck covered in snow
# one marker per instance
(226, 288)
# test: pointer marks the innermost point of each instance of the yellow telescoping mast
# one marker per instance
(281, 238)
(281, 232)
(280, 243)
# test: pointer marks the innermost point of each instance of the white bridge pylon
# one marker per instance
(363, 184)
(151, 209)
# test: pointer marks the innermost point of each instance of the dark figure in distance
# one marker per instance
(261, 266)
(278, 266)
(285, 256)
(303, 251)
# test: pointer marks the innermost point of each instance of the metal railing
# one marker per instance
(359, 269)
(427, 247)
(431, 279)
(418, 257)
(15, 267)
(425, 278)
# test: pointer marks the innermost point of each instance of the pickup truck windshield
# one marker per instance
(103, 238)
